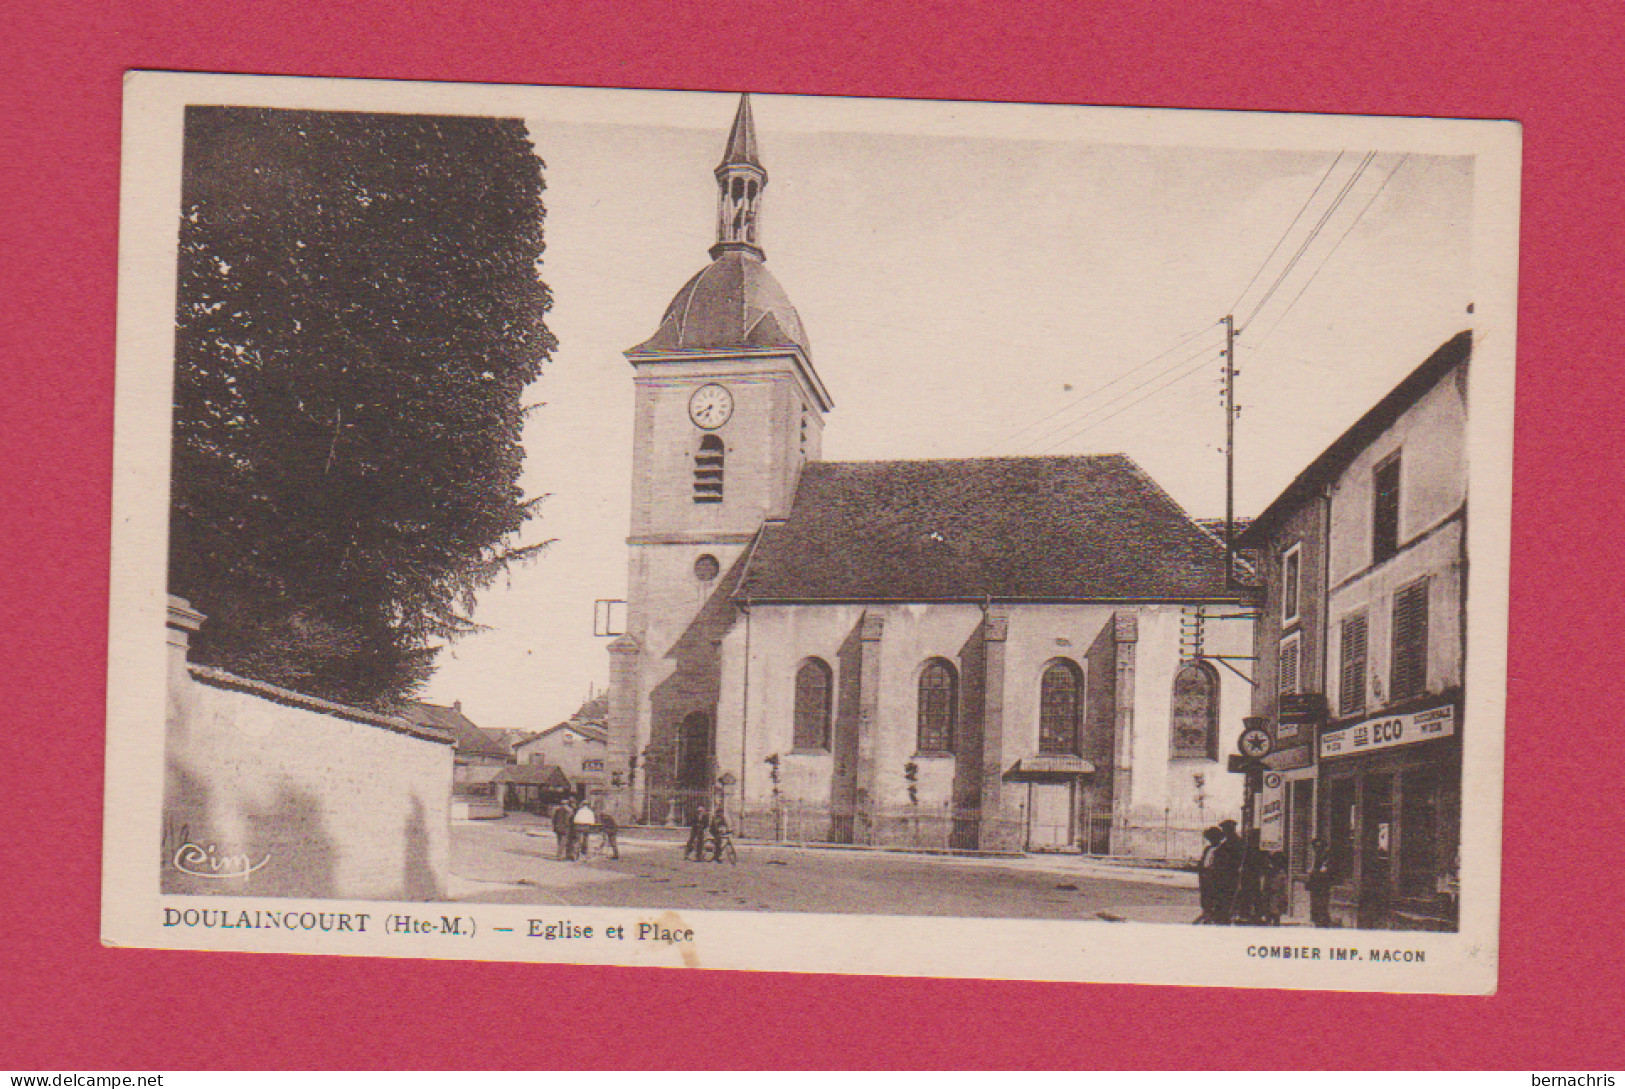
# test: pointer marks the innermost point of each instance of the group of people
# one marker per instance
(702, 825)
(1241, 884)
(574, 822)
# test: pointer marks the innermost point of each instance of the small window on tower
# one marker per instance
(708, 471)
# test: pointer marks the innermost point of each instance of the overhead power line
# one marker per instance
(1337, 202)
(1278, 242)
(1201, 360)
(1327, 259)
(1082, 399)
(1036, 439)
(1133, 389)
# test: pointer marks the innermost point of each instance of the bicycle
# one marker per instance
(721, 848)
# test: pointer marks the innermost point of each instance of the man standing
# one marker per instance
(1226, 873)
(563, 828)
(1319, 883)
(584, 821)
(698, 825)
(1207, 876)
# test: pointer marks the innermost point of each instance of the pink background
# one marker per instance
(67, 1003)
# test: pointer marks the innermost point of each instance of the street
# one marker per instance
(512, 861)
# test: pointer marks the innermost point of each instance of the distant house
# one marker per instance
(576, 748)
(480, 757)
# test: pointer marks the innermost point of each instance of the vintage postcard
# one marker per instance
(811, 534)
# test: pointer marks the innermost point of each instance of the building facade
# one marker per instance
(1000, 653)
(476, 792)
(1361, 643)
(576, 748)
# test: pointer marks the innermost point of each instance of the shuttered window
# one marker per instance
(1289, 666)
(708, 466)
(1410, 658)
(1291, 580)
(1352, 666)
(1385, 510)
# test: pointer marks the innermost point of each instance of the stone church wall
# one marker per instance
(1160, 791)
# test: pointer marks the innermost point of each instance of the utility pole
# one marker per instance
(1230, 450)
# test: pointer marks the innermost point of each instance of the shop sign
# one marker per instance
(1271, 814)
(1389, 731)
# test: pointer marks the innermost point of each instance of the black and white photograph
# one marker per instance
(746, 531)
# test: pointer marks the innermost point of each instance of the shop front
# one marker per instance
(1390, 807)
(1289, 789)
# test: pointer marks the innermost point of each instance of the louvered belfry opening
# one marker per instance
(708, 467)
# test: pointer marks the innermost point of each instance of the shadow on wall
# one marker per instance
(186, 815)
(969, 746)
(419, 881)
(292, 836)
(691, 687)
(283, 850)
(843, 782)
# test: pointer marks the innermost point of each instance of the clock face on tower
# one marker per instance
(710, 406)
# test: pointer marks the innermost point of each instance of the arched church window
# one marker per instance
(708, 471)
(1195, 723)
(1060, 709)
(938, 706)
(694, 752)
(812, 705)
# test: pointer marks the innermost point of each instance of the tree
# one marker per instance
(359, 312)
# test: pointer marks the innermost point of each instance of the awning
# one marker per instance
(1049, 767)
(546, 776)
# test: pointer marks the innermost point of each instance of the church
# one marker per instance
(1020, 653)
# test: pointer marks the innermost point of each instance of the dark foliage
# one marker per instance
(359, 312)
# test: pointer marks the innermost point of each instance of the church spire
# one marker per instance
(740, 181)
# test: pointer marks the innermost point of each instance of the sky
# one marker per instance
(977, 280)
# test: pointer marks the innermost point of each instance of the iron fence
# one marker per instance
(1163, 834)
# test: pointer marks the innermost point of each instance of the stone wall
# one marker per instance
(272, 793)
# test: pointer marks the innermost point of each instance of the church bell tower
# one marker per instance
(727, 409)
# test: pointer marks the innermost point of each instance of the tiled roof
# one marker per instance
(1093, 528)
(595, 709)
(732, 303)
(471, 740)
(589, 730)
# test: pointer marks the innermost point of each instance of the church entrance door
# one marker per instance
(1049, 816)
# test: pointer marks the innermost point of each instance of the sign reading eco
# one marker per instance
(1389, 731)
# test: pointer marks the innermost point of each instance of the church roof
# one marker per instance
(1093, 528)
(734, 302)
